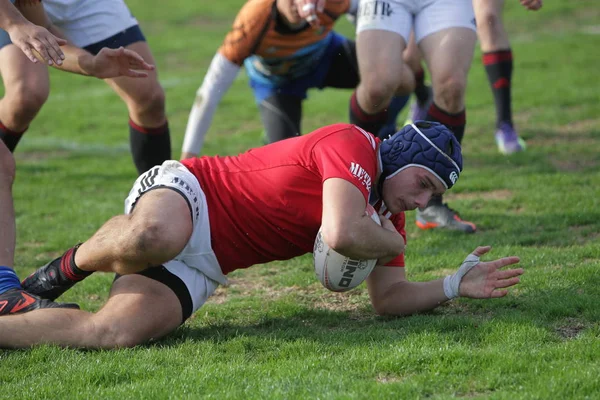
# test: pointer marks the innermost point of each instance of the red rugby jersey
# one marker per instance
(266, 204)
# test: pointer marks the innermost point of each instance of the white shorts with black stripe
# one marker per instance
(196, 265)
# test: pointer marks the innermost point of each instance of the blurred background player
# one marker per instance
(444, 31)
(285, 54)
(27, 36)
(91, 25)
(498, 61)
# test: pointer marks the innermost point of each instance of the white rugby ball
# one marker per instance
(339, 273)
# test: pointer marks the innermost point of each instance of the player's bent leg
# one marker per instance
(138, 309)
(381, 73)
(148, 127)
(157, 230)
(26, 90)
(380, 68)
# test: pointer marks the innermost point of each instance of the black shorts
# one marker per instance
(123, 38)
(173, 282)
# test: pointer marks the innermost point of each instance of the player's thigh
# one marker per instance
(448, 54)
(139, 309)
(21, 77)
(281, 115)
(139, 90)
(153, 302)
(382, 32)
(379, 54)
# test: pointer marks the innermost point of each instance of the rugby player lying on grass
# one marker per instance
(187, 225)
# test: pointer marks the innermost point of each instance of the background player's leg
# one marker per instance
(145, 98)
(498, 62)
(281, 116)
(381, 70)
(448, 54)
(7, 212)
(26, 88)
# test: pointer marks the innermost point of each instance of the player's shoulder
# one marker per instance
(350, 133)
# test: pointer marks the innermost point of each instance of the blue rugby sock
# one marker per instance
(8, 279)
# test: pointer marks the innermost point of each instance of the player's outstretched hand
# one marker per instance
(487, 279)
(111, 63)
(30, 37)
(533, 5)
(308, 9)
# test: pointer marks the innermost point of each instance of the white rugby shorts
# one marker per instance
(86, 22)
(197, 266)
(423, 16)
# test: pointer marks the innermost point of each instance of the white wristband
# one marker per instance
(452, 282)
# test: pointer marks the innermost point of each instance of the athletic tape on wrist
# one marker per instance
(452, 282)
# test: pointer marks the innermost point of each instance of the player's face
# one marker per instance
(411, 188)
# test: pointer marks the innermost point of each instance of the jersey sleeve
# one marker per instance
(349, 154)
(248, 28)
(399, 221)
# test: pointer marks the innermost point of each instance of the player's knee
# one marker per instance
(378, 93)
(449, 94)
(150, 102)
(148, 242)
(27, 100)
(111, 335)
(489, 22)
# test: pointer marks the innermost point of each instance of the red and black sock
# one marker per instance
(10, 137)
(149, 146)
(369, 122)
(421, 89)
(68, 268)
(499, 66)
(455, 122)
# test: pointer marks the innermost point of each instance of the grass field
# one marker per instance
(275, 332)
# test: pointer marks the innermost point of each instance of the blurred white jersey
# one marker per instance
(86, 22)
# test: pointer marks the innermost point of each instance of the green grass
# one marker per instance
(275, 332)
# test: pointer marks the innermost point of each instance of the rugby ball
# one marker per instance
(339, 273)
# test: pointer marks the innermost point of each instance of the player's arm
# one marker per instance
(244, 37)
(392, 294)
(350, 232)
(28, 36)
(218, 80)
(108, 63)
